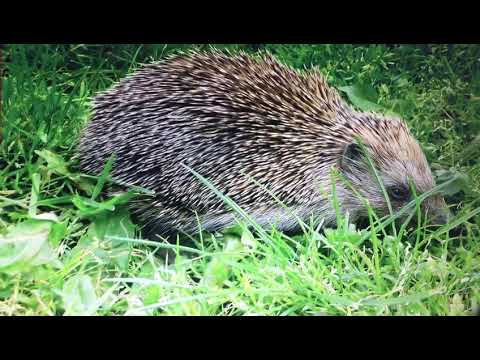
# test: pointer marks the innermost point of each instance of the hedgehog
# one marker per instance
(264, 134)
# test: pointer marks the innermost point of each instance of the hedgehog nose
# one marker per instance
(437, 210)
(441, 216)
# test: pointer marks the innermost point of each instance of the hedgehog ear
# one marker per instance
(352, 155)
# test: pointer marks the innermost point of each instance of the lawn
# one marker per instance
(66, 248)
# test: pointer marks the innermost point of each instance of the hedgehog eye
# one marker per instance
(399, 193)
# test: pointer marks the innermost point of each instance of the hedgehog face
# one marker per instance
(400, 164)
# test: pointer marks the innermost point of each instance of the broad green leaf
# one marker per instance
(219, 268)
(6, 290)
(401, 106)
(106, 225)
(59, 166)
(89, 208)
(78, 295)
(342, 235)
(248, 240)
(54, 162)
(83, 184)
(217, 271)
(152, 293)
(26, 245)
(57, 234)
(363, 97)
(460, 181)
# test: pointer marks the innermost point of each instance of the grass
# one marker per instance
(66, 249)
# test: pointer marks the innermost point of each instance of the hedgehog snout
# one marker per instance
(437, 211)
